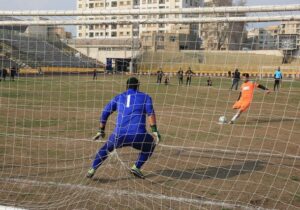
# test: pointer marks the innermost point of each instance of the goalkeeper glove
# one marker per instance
(156, 134)
(99, 134)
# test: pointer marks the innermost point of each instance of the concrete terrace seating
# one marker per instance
(6, 62)
(36, 52)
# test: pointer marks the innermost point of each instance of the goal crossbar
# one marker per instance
(153, 21)
(140, 11)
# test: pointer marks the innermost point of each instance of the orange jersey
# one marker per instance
(247, 89)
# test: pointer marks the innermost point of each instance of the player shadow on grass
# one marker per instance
(221, 172)
(111, 180)
(270, 120)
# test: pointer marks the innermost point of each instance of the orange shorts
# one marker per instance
(242, 105)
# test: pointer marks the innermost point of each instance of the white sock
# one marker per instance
(235, 116)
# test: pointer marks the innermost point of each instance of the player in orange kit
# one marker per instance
(246, 96)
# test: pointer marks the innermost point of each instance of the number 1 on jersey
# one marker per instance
(128, 101)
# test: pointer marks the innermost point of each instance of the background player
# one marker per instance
(245, 97)
(278, 79)
(236, 79)
(160, 75)
(132, 107)
(180, 76)
(95, 74)
(189, 73)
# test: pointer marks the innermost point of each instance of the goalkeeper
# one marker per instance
(245, 97)
(132, 107)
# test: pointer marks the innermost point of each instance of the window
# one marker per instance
(172, 38)
(80, 34)
(113, 26)
(80, 6)
(135, 33)
(114, 4)
(91, 27)
(160, 38)
(91, 34)
(160, 47)
(91, 5)
(113, 34)
(97, 34)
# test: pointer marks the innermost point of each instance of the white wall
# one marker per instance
(101, 55)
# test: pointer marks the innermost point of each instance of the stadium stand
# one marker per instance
(34, 52)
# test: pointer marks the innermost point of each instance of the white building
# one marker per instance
(263, 38)
(291, 28)
(118, 46)
(126, 31)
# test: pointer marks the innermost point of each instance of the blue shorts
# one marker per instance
(143, 142)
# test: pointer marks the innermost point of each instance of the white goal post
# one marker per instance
(54, 86)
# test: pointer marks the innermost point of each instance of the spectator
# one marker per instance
(229, 74)
(236, 79)
(209, 82)
(4, 74)
(13, 72)
(40, 71)
(167, 79)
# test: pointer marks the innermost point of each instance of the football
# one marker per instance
(222, 120)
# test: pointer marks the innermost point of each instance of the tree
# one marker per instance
(223, 35)
(216, 34)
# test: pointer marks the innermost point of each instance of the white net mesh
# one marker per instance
(50, 111)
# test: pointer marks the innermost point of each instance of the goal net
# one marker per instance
(54, 87)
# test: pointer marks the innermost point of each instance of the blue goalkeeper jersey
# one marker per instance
(132, 107)
(278, 75)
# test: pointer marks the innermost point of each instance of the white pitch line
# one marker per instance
(267, 154)
(226, 151)
(10, 208)
(112, 193)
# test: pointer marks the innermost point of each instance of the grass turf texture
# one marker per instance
(46, 124)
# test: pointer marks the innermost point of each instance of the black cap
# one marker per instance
(133, 83)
